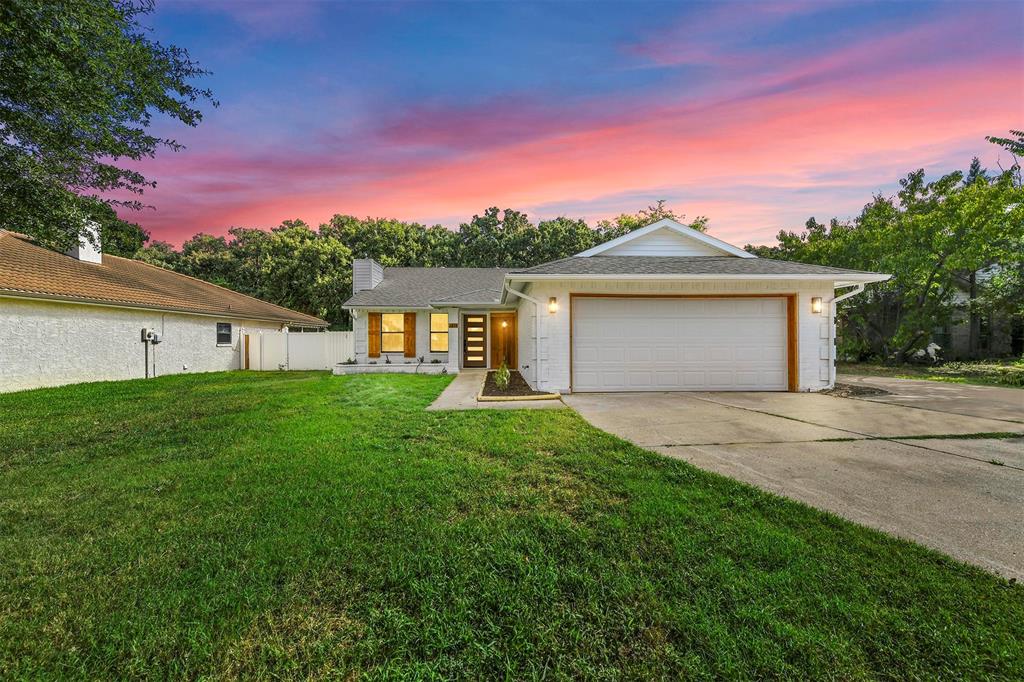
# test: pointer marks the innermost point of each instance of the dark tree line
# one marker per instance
(311, 270)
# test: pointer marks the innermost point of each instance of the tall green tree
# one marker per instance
(80, 83)
(1013, 143)
(300, 269)
(562, 237)
(930, 236)
(208, 257)
(627, 222)
(497, 238)
(391, 242)
(159, 253)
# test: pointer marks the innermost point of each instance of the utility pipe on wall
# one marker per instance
(858, 288)
(536, 325)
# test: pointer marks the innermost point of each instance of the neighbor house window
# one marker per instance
(438, 332)
(984, 332)
(223, 333)
(392, 332)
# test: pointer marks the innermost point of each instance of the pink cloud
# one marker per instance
(841, 121)
(495, 122)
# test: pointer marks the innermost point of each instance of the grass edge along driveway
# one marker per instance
(1006, 373)
(305, 525)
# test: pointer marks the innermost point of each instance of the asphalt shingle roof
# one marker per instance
(679, 265)
(419, 287)
(27, 269)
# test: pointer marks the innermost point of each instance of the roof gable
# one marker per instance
(666, 237)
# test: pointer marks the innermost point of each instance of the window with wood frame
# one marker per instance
(392, 332)
(438, 332)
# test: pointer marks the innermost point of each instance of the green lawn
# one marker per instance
(304, 525)
(1006, 373)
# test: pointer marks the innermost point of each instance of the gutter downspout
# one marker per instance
(536, 325)
(858, 288)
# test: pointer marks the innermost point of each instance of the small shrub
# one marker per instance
(502, 377)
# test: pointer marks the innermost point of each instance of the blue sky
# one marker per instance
(757, 115)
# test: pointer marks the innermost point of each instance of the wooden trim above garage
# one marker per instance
(591, 295)
(792, 326)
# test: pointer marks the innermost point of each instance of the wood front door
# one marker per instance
(474, 341)
(503, 340)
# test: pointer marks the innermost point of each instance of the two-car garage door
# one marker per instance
(679, 344)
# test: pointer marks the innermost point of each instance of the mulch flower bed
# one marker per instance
(854, 391)
(517, 386)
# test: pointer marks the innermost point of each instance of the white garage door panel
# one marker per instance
(653, 344)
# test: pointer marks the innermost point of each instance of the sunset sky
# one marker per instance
(757, 115)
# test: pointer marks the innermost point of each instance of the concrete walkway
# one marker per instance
(462, 392)
(991, 402)
(962, 496)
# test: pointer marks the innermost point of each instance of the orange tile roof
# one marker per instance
(33, 271)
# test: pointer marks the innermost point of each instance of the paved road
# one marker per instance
(962, 496)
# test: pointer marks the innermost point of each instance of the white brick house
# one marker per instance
(69, 318)
(662, 308)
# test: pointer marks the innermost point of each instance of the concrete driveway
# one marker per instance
(991, 402)
(894, 467)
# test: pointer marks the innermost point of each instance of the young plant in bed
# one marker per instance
(502, 377)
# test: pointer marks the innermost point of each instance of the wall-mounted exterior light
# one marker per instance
(504, 324)
(552, 305)
(816, 305)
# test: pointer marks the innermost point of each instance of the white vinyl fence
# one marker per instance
(272, 351)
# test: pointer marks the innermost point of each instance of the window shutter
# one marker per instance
(410, 335)
(373, 345)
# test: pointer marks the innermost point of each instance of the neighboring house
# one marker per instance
(80, 316)
(993, 335)
(663, 308)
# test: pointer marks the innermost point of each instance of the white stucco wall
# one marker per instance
(554, 328)
(45, 343)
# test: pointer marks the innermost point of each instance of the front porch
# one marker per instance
(452, 339)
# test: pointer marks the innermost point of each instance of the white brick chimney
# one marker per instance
(88, 250)
(366, 274)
